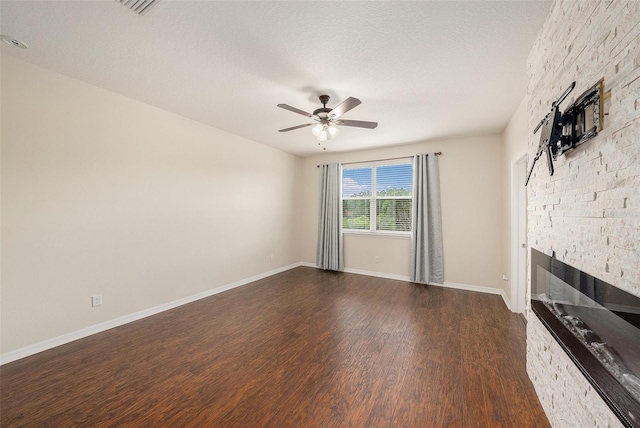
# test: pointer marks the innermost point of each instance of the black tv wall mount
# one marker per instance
(562, 132)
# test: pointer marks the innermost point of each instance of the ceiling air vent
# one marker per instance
(139, 6)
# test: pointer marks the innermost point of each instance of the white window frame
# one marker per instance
(373, 198)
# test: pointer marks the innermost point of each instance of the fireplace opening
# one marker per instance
(598, 326)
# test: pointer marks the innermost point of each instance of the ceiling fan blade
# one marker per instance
(295, 110)
(296, 127)
(344, 107)
(357, 123)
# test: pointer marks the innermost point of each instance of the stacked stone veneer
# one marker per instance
(589, 211)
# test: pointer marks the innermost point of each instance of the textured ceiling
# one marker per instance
(423, 70)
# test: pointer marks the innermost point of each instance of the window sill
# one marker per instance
(378, 234)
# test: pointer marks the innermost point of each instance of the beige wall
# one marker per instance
(516, 134)
(515, 138)
(471, 187)
(104, 194)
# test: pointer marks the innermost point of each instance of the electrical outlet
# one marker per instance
(376, 259)
(96, 300)
(271, 257)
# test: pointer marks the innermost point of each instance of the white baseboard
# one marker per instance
(365, 272)
(477, 288)
(507, 301)
(97, 328)
(378, 274)
(467, 287)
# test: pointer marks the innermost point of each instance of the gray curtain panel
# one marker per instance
(427, 261)
(330, 251)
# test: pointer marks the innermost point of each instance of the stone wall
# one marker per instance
(565, 394)
(588, 212)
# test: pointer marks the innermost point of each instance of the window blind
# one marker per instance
(377, 197)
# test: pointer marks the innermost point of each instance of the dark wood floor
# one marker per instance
(304, 348)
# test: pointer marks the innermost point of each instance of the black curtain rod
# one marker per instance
(378, 160)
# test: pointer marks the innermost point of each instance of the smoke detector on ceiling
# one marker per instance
(139, 6)
(14, 42)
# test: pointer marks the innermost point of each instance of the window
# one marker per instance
(377, 198)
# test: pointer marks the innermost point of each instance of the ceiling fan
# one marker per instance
(326, 119)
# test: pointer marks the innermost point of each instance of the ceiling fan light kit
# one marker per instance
(324, 132)
(327, 119)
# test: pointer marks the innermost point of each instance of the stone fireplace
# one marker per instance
(597, 325)
(588, 213)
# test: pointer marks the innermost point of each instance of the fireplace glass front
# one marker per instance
(598, 326)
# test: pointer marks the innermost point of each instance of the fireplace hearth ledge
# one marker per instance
(566, 395)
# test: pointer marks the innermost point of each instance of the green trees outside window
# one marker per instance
(377, 198)
(356, 214)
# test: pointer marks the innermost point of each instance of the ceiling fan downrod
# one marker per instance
(323, 111)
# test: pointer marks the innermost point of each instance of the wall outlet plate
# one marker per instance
(96, 300)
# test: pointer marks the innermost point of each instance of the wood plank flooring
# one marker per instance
(304, 348)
